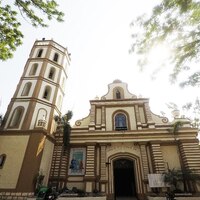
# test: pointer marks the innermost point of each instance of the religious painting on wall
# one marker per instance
(77, 161)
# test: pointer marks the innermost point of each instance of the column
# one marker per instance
(144, 161)
(103, 177)
(138, 119)
(158, 162)
(90, 167)
(103, 121)
(92, 118)
(150, 122)
(190, 154)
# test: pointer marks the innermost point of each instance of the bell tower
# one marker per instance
(26, 133)
(40, 91)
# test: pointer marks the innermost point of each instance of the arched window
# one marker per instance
(52, 73)
(118, 94)
(26, 89)
(55, 58)
(33, 69)
(40, 53)
(2, 160)
(47, 93)
(17, 116)
(120, 122)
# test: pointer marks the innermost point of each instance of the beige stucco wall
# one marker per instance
(170, 156)
(79, 185)
(46, 160)
(14, 147)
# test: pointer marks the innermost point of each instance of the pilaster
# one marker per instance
(190, 154)
(103, 177)
(90, 168)
(157, 158)
(92, 118)
(103, 163)
(150, 122)
(103, 120)
(138, 119)
(144, 161)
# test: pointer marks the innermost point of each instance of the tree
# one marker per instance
(192, 110)
(64, 121)
(175, 177)
(175, 23)
(11, 36)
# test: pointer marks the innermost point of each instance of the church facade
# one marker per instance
(120, 149)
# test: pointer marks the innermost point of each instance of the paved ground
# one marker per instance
(95, 198)
(177, 198)
(81, 198)
(126, 198)
(120, 198)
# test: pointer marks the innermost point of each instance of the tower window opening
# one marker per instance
(26, 89)
(33, 69)
(55, 58)
(52, 73)
(16, 118)
(47, 93)
(40, 53)
(120, 122)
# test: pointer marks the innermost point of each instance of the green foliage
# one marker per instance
(192, 80)
(176, 176)
(11, 35)
(64, 120)
(67, 128)
(176, 24)
(192, 112)
(49, 8)
(173, 177)
(66, 135)
(38, 181)
(194, 109)
(67, 117)
(176, 126)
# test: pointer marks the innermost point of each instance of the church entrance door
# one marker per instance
(124, 179)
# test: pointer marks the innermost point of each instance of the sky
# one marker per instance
(97, 33)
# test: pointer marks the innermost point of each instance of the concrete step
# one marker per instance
(177, 198)
(81, 198)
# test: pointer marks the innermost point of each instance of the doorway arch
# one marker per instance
(124, 178)
(134, 166)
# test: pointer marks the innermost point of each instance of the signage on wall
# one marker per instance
(156, 180)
